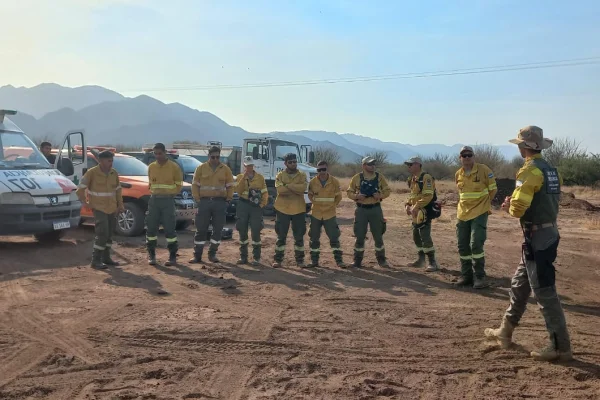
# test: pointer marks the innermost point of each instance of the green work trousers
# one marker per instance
(282, 227)
(471, 236)
(365, 218)
(332, 230)
(211, 212)
(104, 227)
(161, 211)
(422, 238)
(536, 273)
(249, 216)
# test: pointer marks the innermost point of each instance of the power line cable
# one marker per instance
(412, 75)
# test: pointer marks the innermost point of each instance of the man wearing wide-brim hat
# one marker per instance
(535, 201)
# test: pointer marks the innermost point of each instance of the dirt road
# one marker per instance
(230, 332)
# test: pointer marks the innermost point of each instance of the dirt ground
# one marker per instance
(240, 332)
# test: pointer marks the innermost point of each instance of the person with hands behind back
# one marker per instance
(252, 189)
(368, 189)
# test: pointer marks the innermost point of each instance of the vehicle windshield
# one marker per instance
(189, 164)
(17, 151)
(282, 148)
(130, 166)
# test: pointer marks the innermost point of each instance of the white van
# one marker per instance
(36, 197)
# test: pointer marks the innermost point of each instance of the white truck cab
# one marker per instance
(36, 197)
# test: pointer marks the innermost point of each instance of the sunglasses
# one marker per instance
(409, 164)
(321, 169)
(466, 155)
(371, 164)
(215, 157)
(292, 162)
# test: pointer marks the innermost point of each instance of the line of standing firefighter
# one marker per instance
(535, 201)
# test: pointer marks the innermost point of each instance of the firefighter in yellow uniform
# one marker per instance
(422, 196)
(368, 189)
(290, 209)
(165, 181)
(476, 188)
(212, 189)
(252, 189)
(101, 190)
(535, 201)
(325, 194)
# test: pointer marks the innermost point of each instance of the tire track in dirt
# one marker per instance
(43, 331)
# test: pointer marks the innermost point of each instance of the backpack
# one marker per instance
(433, 210)
(369, 188)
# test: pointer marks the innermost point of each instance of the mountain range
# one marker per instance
(49, 110)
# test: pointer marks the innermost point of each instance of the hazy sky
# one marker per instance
(132, 45)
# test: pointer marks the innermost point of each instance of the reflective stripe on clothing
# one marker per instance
(474, 195)
(165, 179)
(101, 190)
(476, 190)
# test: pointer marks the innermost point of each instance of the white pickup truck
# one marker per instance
(36, 197)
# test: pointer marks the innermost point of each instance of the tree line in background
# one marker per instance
(575, 164)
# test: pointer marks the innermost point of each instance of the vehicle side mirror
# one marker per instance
(255, 153)
(311, 157)
(65, 166)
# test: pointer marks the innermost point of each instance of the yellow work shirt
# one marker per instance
(209, 182)
(324, 197)
(290, 192)
(420, 198)
(244, 184)
(476, 191)
(103, 190)
(530, 180)
(165, 179)
(354, 189)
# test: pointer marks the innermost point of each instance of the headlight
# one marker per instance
(16, 198)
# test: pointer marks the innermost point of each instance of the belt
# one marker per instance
(163, 196)
(212, 198)
(368, 205)
(536, 227)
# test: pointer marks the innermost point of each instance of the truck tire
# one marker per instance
(49, 237)
(131, 221)
(183, 225)
(269, 209)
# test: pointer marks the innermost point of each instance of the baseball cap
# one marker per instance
(248, 160)
(466, 148)
(532, 137)
(368, 160)
(414, 160)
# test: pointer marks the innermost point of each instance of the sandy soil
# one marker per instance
(230, 332)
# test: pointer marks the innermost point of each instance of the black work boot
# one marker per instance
(381, 259)
(97, 260)
(433, 265)
(358, 257)
(464, 281)
(197, 258)
(151, 257)
(420, 262)
(106, 259)
(172, 258)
